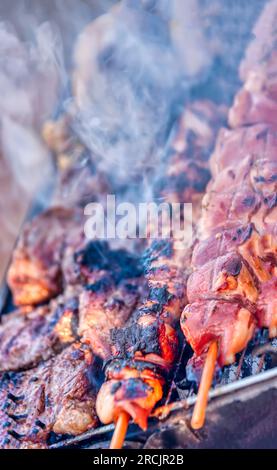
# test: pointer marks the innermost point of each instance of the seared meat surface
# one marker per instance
(104, 306)
(27, 339)
(35, 272)
(109, 283)
(56, 396)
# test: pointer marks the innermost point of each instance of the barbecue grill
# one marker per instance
(241, 412)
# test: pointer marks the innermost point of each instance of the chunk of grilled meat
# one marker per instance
(110, 282)
(106, 281)
(104, 306)
(27, 339)
(232, 290)
(144, 351)
(228, 323)
(132, 386)
(88, 261)
(58, 396)
(35, 272)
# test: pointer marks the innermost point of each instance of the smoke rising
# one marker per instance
(130, 81)
(31, 77)
(130, 73)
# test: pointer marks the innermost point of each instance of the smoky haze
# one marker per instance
(126, 77)
(130, 81)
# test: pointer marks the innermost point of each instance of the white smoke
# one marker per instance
(133, 67)
(31, 74)
(31, 77)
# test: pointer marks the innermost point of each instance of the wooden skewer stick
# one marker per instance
(199, 412)
(120, 430)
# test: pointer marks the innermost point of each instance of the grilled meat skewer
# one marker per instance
(106, 286)
(105, 281)
(102, 288)
(236, 258)
(144, 351)
(110, 284)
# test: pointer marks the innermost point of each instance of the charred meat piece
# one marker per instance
(27, 339)
(110, 284)
(85, 262)
(148, 339)
(104, 306)
(35, 272)
(244, 187)
(132, 386)
(220, 278)
(58, 396)
(246, 278)
(165, 268)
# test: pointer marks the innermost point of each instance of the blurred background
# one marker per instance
(37, 63)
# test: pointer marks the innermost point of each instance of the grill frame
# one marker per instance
(245, 391)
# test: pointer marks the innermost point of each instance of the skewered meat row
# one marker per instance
(58, 396)
(101, 288)
(85, 269)
(144, 351)
(188, 173)
(111, 284)
(102, 285)
(232, 290)
(109, 280)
